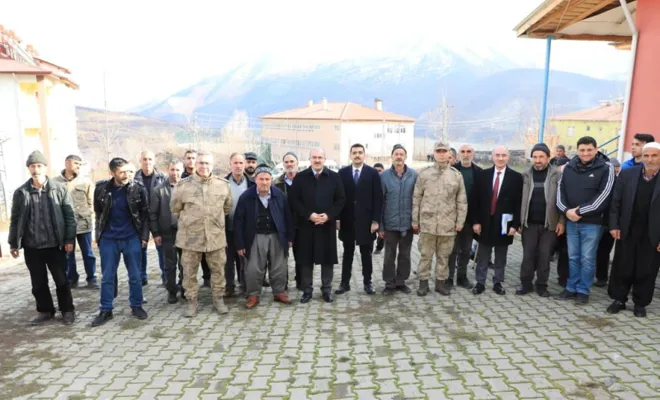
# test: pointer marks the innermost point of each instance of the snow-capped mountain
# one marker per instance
(477, 83)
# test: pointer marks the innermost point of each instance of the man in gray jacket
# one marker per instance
(541, 222)
(82, 195)
(398, 184)
(163, 226)
(43, 224)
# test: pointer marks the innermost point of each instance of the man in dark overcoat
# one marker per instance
(360, 218)
(495, 200)
(317, 197)
(635, 222)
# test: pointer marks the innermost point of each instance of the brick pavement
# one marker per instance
(365, 347)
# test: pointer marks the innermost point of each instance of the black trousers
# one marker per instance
(172, 258)
(347, 262)
(233, 270)
(206, 272)
(483, 260)
(39, 261)
(396, 267)
(538, 246)
(603, 256)
(637, 268)
(460, 254)
(561, 247)
(308, 278)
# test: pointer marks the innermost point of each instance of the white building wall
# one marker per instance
(378, 138)
(63, 125)
(11, 133)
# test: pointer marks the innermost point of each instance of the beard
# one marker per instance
(250, 170)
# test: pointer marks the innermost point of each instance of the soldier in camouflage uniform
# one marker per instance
(201, 201)
(439, 211)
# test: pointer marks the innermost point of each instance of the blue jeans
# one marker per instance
(161, 263)
(85, 243)
(111, 250)
(582, 242)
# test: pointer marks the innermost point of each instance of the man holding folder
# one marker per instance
(495, 214)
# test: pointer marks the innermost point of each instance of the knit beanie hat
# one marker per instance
(290, 153)
(262, 168)
(541, 147)
(36, 157)
(397, 147)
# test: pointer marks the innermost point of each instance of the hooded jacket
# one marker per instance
(587, 186)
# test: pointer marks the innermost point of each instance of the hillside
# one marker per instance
(487, 96)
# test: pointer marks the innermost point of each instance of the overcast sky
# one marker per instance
(151, 49)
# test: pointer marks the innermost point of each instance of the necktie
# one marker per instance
(496, 189)
(317, 176)
(356, 176)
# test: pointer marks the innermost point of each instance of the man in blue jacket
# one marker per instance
(264, 232)
(398, 184)
(583, 196)
(639, 140)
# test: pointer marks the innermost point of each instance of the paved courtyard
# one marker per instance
(365, 347)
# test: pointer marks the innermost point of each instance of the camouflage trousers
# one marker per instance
(216, 261)
(429, 245)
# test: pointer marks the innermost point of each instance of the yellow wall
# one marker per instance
(568, 133)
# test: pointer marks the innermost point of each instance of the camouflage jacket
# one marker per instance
(439, 200)
(201, 205)
(82, 194)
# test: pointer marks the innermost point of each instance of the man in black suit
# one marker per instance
(317, 197)
(495, 209)
(360, 218)
(635, 221)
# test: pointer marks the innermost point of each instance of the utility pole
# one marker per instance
(445, 119)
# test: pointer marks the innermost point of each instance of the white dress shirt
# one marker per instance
(501, 179)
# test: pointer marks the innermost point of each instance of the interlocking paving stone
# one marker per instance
(359, 347)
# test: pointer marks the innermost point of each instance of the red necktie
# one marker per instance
(496, 189)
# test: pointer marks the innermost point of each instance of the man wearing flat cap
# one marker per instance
(541, 222)
(250, 164)
(263, 234)
(284, 182)
(44, 225)
(439, 211)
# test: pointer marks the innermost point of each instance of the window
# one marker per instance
(336, 146)
(378, 135)
(571, 131)
(337, 128)
(588, 128)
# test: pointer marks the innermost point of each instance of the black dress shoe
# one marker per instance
(171, 298)
(343, 289)
(523, 290)
(449, 282)
(640, 312)
(305, 298)
(102, 318)
(138, 312)
(581, 298)
(499, 289)
(41, 318)
(566, 295)
(542, 291)
(404, 289)
(369, 289)
(93, 285)
(601, 283)
(464, 283)
(478, 288)
(68, 317)
(389, 291)
(616, 307)
(327, 297)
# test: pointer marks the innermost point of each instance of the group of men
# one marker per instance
(241, 228)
